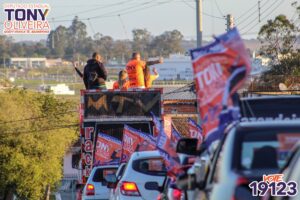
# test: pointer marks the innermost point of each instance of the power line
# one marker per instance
(115, 13)
(218, 8)
(246, 12)
(266, 15)
(94, 9)
(92, 28)
(123, 25)
(204, 13)
(251, 14)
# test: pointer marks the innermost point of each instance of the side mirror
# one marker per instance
(153, 186)
(187, 146)
(111, 181)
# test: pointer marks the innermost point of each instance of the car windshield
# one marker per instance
(102, 172)
(267, 149)
(150, 166)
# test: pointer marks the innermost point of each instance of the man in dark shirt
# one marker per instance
(94, 74)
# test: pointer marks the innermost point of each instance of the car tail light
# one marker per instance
(90, 190)
(177, 194)
(129, 189)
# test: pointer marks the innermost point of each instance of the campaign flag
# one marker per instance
(157, 125)
(168, 126)
(108, 150)
(135, 140)
(167, 149)
(220, 69)
(195, 130)
(175, 135)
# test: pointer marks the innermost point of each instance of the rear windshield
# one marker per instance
(266, 149)
(101, 173)
(150, 166)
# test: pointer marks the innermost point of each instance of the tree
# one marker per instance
(35, 132)
(77, 35)
(167, 43)
(57, 41)
(278, 37)
(122, 50)
(141, 41)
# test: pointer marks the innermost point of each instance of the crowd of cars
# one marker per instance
(248, 150)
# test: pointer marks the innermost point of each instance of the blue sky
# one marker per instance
(159, 15)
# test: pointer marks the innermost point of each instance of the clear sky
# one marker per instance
(159, 15)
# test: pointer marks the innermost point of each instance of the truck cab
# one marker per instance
(107, 111)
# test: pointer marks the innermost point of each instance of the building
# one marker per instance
(176, 67)
(28, 62)
(54, 62)
(180, 103)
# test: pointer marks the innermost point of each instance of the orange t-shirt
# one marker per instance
(150, 80)
(135, 73)
(125, 85)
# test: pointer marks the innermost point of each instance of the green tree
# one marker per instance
(122, 50)
(141, 41)
(77, 35)
(167, 43)
(57, 41)
(278, 37)
(35, 132)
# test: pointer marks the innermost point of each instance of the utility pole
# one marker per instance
(229, 22)
(199, 22)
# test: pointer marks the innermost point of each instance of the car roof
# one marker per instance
(144, 154)
(270, 123)
(106, 166)
(271, 97)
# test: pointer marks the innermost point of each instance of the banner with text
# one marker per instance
(108, 150)
(135, 140)
(220, 69)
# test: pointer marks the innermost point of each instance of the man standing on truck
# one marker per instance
(95, 74)
(135, 69)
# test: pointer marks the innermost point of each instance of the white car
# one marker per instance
(143, 177)
(95, 187)
(118, 177)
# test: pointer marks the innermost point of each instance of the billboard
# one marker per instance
(107, 105)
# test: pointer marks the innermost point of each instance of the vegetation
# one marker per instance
(35, 131)
(279, 38)
(73, 43)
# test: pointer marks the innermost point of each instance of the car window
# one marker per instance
(150, 166)
(266, 149)
(101, 173)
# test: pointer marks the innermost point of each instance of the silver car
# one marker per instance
(251, 150)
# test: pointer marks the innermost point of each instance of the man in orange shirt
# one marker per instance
(135, 69)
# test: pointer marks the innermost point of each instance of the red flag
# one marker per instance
(135, 140)
(220, 68)
(108, 150)
(168, 126)
(167, 149)
(195, 130)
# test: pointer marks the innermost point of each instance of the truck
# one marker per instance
(107, 111)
